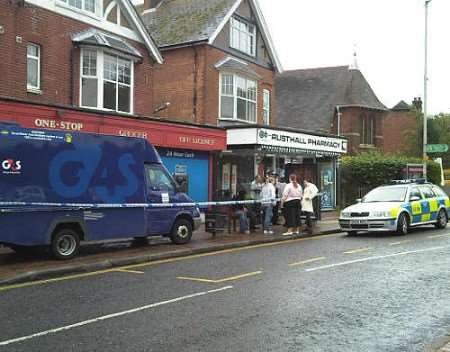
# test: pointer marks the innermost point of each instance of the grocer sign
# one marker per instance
(301, 141)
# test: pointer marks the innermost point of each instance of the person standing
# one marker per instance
(242, 212)
(268, 201)
(279, 188)
(255, 188)
(309, 192)
(291, 202)
(255, 192)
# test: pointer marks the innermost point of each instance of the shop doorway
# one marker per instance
(303, 171)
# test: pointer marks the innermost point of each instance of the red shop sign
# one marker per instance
(158, 133)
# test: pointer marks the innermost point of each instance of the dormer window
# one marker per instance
(89, 6)
(243, 36)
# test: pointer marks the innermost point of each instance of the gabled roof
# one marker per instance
(402, 105)
(142, 30)
(95, 37)
(177, 22)
(308, 98)
(231, 64)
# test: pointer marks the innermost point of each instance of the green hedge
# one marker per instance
(363, 172)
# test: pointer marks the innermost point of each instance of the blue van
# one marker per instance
(57, 189)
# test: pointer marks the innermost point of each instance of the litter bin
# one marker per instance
(215, 222)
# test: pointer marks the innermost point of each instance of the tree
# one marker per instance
(441, 126)
(438, 132)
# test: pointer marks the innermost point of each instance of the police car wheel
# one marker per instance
(65, 244)
(402, 225)
(181, 232)
(441, 220)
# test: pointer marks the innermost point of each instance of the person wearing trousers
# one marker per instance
(309, 192)
(268, 201)
(291, 200)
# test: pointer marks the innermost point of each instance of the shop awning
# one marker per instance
(286, 142)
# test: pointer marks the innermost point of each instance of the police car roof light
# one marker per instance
(408, 181)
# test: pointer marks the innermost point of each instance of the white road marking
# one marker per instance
(110, 316)
(375, 258)
(439, 236)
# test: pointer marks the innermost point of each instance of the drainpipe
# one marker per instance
(194, 96)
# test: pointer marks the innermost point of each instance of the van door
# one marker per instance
(160, 189)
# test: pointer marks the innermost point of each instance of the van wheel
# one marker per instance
(181, 232)
(441, 220)
(65, 244)
(402, 225)
(352, 233)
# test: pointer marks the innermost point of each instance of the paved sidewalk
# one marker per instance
(15, 268)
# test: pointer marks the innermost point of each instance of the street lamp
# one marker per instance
(425, 81)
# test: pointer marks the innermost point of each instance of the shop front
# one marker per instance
(261, 151)
(186, 150)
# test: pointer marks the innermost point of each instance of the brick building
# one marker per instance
(399, 123)
(89, 65)
(220, 68)
(339, 100)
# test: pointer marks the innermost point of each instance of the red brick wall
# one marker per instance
(397, 125)
(59, 58)
(179, 80)
(350, 128)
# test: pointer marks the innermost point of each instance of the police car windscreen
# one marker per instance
(386, 194)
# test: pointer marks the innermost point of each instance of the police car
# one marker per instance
(397, 208)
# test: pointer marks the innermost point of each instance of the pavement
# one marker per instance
(18, 268)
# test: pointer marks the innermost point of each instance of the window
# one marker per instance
(238, 98)
(415, 193)
(159, 180)
(439, 192)
(266, 107)
(33, 67)
(106, 81)
(427, 192)
(243, 36)
(367, 130)
(85, 5)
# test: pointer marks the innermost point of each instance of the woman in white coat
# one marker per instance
(309, 192)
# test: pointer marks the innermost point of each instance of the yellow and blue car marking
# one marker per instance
(425, 210)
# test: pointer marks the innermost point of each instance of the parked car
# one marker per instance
(397, 207)
(58, 189)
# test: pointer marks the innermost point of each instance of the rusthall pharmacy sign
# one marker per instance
(286, 141)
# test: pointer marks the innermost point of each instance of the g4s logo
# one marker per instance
(11, 165)
(75, 182)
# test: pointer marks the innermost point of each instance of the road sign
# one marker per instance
(437, 148)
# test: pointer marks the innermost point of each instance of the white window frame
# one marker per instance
(98, 8)
(101, 80)
(235, 25)
(37, 58)
(235, 98)
(266, 106)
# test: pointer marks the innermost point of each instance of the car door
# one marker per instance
(416, 205)
(161, 190)
(429, 204)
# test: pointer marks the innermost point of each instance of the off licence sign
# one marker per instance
(437, 148)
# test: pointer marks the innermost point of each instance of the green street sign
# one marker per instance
(437, 148)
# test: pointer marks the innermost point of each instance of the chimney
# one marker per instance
(150, 4)
(417, 103)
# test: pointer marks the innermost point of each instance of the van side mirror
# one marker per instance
(359, 200)
(414, 198)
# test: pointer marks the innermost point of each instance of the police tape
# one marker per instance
(84, 206)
